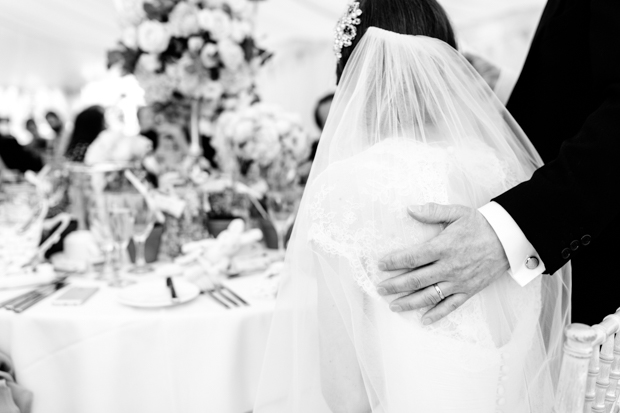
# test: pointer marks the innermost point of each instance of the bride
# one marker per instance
(411, 123)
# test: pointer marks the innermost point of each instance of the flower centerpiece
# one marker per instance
(197, 51)
(263, 146)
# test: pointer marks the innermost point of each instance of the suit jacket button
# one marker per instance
(574, 245)
(532, 263)
(566, 253)
(585, 240)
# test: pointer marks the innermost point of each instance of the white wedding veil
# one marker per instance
(411, 123)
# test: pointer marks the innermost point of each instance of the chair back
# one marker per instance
(590, 368)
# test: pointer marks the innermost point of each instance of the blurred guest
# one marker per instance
(321, 112)
(59, 136)
(14, 156)
(38, 144)
(148, 126)
(88, 125)
(55, 123)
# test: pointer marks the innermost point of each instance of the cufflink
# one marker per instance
(532, 263)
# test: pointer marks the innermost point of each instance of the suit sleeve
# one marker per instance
(569, 202)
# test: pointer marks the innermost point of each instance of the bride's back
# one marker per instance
(357, 213)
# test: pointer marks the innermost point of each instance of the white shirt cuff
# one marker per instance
(525, 263)
(505, 84)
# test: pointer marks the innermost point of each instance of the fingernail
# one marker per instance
(396, 308)
(382, 291)
(426, 321)
(382, 266)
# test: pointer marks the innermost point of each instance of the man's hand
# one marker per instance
(462, 260)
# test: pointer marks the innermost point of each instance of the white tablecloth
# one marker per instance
(109, 358)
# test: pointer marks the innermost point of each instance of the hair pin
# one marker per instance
(346, 28)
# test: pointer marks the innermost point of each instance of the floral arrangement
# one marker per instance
(190, 49)
(262, 144)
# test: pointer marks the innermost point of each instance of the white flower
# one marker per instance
(129, 37)
(205, 19)
(195, 43)
(240, 30)
(153, 36)
(220, 25)
(183, 20)
(243, 131)
(149, 62)
(208, 55)
(231, 54)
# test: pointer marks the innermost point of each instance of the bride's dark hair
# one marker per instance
(414, 17)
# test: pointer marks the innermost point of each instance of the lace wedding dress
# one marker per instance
(412, 123)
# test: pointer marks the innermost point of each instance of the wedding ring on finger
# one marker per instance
(441, 296)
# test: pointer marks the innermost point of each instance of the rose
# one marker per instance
(149, 62)
(195, 44)
(207, 55)
(129, 37)
(205, 19)
(153, 36)
(231, 54)
(220, 25)
(243, 130)
(183, 20)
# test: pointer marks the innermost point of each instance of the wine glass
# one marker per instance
(144, 219)
(121, 220)
(102, 233)
(282, 206)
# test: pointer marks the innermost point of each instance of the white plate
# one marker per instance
(155, 293)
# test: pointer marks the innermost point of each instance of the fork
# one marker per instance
(221, 288)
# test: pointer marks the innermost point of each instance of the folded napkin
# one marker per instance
(13, 397)
(44, 274)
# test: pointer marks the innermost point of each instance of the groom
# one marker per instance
(567, 101)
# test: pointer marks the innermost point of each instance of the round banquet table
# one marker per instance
(103, 356)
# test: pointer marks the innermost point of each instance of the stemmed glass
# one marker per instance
(282, 206)
(121, 221)
(102, 233)
(144, 219)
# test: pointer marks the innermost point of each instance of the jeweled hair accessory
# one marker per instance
(345, 29)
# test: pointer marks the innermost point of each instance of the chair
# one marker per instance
(590, 368)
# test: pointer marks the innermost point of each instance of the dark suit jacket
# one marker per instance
(567, 101)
